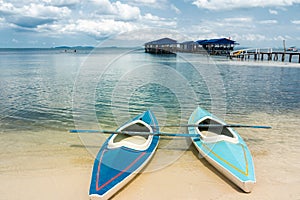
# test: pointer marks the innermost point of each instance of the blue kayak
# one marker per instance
(123, 156)
(223, 148)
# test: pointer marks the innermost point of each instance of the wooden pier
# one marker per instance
(221, 46)
(264, 54)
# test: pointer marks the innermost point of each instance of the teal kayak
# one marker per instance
(223, 148)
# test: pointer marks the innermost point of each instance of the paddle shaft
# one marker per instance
(136, 133)
(215, 126)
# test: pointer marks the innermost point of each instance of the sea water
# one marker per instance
(46, 92)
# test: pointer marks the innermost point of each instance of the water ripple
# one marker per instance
(36, 90)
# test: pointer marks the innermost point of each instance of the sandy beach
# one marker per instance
(59, 167)
(94, 65)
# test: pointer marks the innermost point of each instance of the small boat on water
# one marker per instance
(223, 148)
(123, 156)
(293, 49)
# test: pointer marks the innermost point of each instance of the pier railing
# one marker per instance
(264, 53)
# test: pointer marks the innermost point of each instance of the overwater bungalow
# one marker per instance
(188, 46)
(161, 46)
(221, 46)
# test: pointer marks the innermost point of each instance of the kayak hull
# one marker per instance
(230, 156)
(117, 164)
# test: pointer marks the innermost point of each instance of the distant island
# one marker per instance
(74, 47)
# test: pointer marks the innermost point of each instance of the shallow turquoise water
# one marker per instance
(56, 90)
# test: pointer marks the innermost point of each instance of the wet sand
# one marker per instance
(59, 167)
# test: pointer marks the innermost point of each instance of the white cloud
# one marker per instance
(260, 37)
(150, 17)
(103, 28)
(62, 2)
(281, 38)
(251, 37)
(234, 4)
(218, 28)
(297, 22)
(34, 10)
(273, 12)
(44, 17)
(155, 21)
(38, 10)
(238, 19)
(145, 1)
(116, 9)
(126, 12)
(268, 22)
(97, 18)
(95, 28)
(225, 26)
(103, 18)
(150, 34)
(6, 8)
(159, 4)
(173, 7)
(230, 24)
(31, 15)
(98, 6)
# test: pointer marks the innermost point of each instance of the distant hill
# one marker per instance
(74, 47)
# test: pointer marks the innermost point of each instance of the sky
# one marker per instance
(51, 23)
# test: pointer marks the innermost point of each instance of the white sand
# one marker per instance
(63, 171)
(188, 178)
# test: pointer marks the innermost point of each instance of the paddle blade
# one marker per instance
(84, 131)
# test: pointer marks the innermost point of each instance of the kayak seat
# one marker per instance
(213, 131)
(136, 139)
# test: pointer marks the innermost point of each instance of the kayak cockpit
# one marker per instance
(138, 142)
(213, 131)
(137, 139)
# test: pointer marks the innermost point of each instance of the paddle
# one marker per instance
(136, 133)
(215, 126)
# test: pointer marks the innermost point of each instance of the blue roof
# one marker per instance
(162, 41)
(216, 41)
(201, 41)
